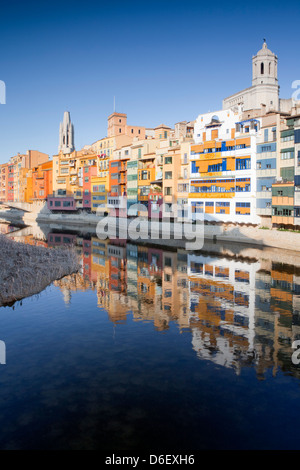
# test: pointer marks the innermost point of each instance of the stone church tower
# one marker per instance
(263, 95)
(66, 135)
(264, 67)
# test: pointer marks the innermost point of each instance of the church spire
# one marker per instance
(66, 134)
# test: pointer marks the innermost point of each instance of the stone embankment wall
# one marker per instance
(217, 233)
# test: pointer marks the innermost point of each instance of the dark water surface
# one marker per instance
(149, 349)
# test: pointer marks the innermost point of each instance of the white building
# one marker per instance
(223, 168)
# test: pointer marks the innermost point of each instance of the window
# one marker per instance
(168, 160)
(266, 135)
(262, 68)
(222, 204)
(243, 164)
(214, 168)
(144, 175)
(287, 154)
(168, 175)
(168, 191)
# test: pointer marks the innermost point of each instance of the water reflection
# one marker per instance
(240, 311)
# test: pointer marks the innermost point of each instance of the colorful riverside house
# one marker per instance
(117, 197)
(68, 179)
(267, 166)
(4, 182)
(88, 173)
(117, 201)
(171, 173)
(175, 175)
(283, 204)
(10, 182)
(41, 181)
(183, 179)
(100, 186)
(283, 190)
(287, 150)
(25, 185)
(149, 154)
(146, 175)
(132, 186)
(223, 168)
(297, 173)
(31, 159)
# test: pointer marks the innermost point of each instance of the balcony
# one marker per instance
(282, 201)
(282, 220)
(215, 195)
(145, 166)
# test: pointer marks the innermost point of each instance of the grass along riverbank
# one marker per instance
(26, 270)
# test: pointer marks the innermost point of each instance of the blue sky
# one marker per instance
(163, 61)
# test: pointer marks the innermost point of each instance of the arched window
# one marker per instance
(269, 68)
(262, 68)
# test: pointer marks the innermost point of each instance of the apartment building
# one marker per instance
(267, 168)
(4, 182)
(285, 200)
(223, 168)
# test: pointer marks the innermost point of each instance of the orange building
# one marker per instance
(42, 180)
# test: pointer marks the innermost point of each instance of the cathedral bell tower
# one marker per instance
(264, 67)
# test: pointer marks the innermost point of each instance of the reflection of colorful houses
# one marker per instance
(116, 252)
(222, 308)
(59, 239)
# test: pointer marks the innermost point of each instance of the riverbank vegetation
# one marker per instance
(27, 269)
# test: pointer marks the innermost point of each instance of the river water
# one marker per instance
(153, 349)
